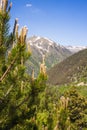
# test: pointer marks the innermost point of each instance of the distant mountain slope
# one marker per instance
(72, 69)
(54, 53)
(75, 49)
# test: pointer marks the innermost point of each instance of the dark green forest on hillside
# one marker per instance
(29, 103)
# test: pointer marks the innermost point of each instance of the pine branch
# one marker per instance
(8, 91)
(25, 100)
(5, 95)
(8, 69)
(17, 119)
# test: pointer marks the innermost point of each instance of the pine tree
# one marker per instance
(77, 110)
(19, 92)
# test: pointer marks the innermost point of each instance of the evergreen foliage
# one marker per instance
(26, 102)
(77, 109)
(18, 91)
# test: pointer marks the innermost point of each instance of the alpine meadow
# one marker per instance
(53, 96)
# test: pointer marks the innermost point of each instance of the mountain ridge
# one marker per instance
(75, 49)
(53, 52)
(71, 70)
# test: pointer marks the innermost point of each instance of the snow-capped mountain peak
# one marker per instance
(44, 45)
(53, 52)
(75, 49)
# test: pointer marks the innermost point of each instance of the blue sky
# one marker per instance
(63, 21)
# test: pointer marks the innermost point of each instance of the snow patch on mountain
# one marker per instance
(50, 41)
(37, 38)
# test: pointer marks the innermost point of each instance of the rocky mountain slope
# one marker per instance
(54, 53)
(72, 69)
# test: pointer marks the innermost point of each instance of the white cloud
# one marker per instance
(28, 5)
